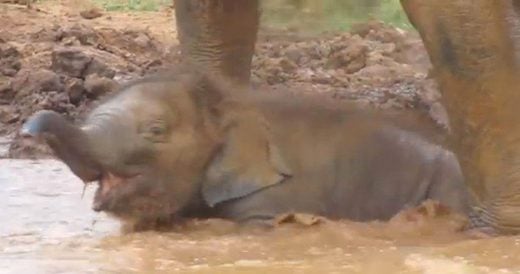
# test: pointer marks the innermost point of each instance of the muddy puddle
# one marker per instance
(47, 227)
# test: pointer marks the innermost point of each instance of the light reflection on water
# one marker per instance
(47, 228)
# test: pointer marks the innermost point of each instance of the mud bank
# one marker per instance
(56, 59)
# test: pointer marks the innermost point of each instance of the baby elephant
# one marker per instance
(191, 147)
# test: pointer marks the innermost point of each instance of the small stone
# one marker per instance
(8, 115)
(287, 65)
(439, 114)
(352, 58)
(70, 41)
(6, 93)
(99, 68)
(42, 80)
(85, 34)
(152, 64)
(8, 51)
(74, 89)
(293, 53)
(142, 40)
(57, 101)
(10, 62)
(97, 86)
(363, 29)
(70, 61)
(91, 13)
(429, 92)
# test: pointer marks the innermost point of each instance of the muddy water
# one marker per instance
(46, 227)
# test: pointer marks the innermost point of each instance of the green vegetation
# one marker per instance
(326, 15)
(132, 5)
(305, 15)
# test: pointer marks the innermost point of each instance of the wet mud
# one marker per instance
(51, 229)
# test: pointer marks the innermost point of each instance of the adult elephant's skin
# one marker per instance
(189, 148)
(474, 47)
(219, 35)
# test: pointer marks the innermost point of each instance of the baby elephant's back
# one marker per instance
(390, 169)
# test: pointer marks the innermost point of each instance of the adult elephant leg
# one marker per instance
(474, 46)
(219, 35)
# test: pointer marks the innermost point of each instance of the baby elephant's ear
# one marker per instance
(247, 162)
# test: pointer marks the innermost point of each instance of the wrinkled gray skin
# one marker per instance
(473, 46)
(219, 35)
(175, 148)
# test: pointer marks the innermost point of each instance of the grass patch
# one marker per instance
(331, 15)
(313, 16)
(132, 5)
(391, 12)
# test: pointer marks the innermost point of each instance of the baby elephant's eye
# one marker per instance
(155, 131)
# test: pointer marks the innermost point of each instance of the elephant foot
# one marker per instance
(299, 219)
(478, 228)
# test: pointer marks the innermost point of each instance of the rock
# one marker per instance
(363, 29)
(429, 92)
(293, 53)
(97, 86)
(91, 13)
(153, 65)
(9, 60)
(6, 93)
(351, 59)
(142, 40)
(99, 68)
(8, 115)
(45, 34)
(385, 35)
(57, 101)
(28, 81)
(287, 65)
(377, 31)
(376, 70)
(74, 89)
(85, 35)
(70, 61)
(73, 62)
(439, 114)
(70, 41)
(323, 50)
(8, 51)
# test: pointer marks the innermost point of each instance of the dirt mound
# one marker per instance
(67, 67)
(375, 64)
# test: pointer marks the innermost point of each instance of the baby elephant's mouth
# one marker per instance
(109, 184)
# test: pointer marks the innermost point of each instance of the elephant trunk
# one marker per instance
(219, 35)
(69, 142)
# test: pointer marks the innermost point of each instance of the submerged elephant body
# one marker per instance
(189, 148)
(473, 47)
(346, 164)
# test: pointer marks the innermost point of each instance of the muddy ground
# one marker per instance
(65, 57)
